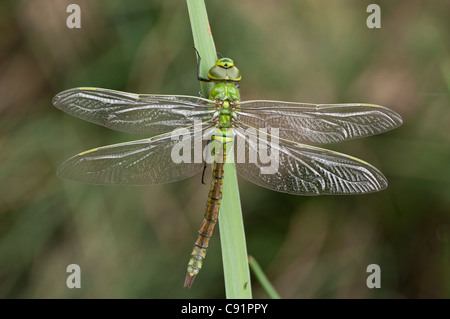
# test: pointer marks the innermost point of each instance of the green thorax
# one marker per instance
(224, 91)
(226, 95)
(225, 75)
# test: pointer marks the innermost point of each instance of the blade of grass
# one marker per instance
(234, 249)
(261, 277)
(203, 40)
(232, 238)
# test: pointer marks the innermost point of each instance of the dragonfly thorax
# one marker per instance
(224, 91)
(226, 96)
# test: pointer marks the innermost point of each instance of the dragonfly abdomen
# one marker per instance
(209, 222)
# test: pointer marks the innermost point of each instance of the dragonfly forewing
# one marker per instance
(133, 113)
(319, 123)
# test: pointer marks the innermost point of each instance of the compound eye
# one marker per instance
(225, 63)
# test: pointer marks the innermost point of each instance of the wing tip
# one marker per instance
(390, 113)
(56, 100)
(61, 96)
(62, 171)
(394, 116)
(377, 180)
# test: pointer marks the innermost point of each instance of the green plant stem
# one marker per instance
(234, 249)
(203, 40)
(261, 277)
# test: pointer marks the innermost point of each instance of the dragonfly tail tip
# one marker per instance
(189, 280)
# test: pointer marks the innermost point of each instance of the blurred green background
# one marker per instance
(134, 242)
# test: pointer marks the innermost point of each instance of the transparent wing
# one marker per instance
(301, 169)
(133, 113)
(161, 159)
(319, 123)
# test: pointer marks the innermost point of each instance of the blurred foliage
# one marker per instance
(135, 242)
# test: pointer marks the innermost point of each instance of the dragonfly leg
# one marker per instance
(203, 174)
(198, 67)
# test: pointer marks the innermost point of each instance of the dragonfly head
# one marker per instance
(225, 63)
(224, 70)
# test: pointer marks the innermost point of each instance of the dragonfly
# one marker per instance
(218, 129)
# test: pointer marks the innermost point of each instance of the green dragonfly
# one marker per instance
(194, 131)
